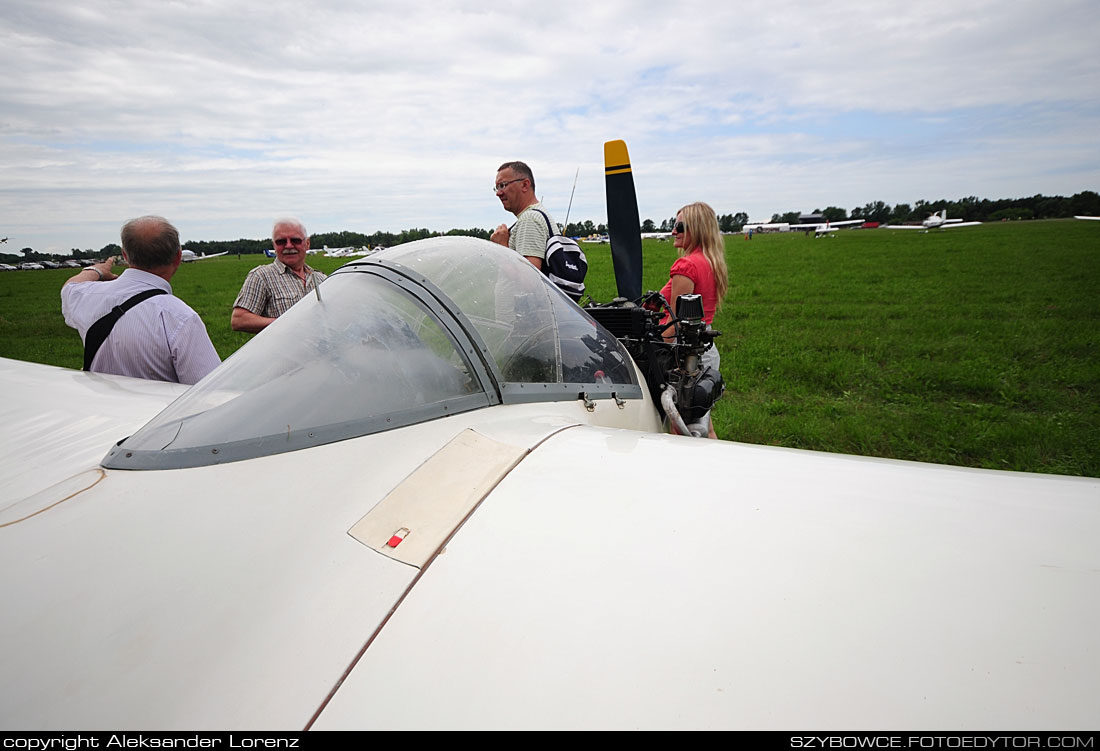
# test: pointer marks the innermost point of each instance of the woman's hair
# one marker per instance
(701, 224)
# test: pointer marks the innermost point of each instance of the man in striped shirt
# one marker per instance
(270, 290)
(515, 187)
(160, 338)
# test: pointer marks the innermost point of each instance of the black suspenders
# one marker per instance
(101, 329)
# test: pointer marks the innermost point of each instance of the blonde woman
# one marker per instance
(700, 269)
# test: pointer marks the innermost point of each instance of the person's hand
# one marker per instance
(104, 269)
(500, 235)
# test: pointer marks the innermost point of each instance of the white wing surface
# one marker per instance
(761, 588)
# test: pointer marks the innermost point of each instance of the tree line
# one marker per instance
(970, 209)
(726, 223)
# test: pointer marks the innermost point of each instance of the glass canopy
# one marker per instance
(417, 332)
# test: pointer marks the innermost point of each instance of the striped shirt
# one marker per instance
(529, 234)
(160, 339)
(271, 289)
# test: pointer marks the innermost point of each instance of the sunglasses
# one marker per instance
(678, 228)
(292, 240)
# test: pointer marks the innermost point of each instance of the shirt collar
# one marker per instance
(535, 205)
(144, 277)
(284, 269)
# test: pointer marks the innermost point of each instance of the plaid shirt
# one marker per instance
(271, 289)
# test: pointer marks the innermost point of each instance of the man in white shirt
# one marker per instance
(515, 187)
(160, 338)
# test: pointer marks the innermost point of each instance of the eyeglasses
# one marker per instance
(292, 240)
(678, 228)
(501, 186)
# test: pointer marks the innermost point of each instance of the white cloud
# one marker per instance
(223, 114)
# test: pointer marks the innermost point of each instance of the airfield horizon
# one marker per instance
(972, 347)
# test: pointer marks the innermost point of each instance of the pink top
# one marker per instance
(696, 268)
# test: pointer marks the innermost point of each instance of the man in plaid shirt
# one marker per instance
(270, 290)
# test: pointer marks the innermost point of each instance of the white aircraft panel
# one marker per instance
(219, 597)
(57, 418)
(241, 609)
(414, 520)
(599, 587)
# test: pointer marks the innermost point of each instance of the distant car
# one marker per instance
(7, 267)
(30, 266)
(72, 264)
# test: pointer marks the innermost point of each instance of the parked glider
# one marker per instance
(436, 495)
(936, 220)
(190, 255)
(818, 228)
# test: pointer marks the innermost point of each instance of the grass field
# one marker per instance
(975, 347)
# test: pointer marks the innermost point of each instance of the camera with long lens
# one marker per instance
(668, 346)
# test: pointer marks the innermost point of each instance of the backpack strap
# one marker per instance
(101, 329)
(546, 219)
(550, 228)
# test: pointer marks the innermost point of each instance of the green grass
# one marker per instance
(975, 347)
(31, 326)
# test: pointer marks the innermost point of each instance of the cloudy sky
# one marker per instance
(380, 115)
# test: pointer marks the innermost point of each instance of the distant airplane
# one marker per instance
(936, 220)
(655, 235)
(818, 228)
(190, 255)
(350, 252)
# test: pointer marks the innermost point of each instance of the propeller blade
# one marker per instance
(622, 220)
